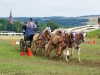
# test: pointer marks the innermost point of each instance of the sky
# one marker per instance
(47, 8)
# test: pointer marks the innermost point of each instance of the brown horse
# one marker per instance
(60, 43)
(75, 44)
(40, 40)
(55, 32)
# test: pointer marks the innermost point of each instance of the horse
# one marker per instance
(55, 32)
(40, 40)
(58, 43)
(76, 43)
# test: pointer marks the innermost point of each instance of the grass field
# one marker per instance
(94, 34)
(11, 63)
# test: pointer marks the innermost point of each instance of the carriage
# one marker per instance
(25, 42)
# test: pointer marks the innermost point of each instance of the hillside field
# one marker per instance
(11, 63)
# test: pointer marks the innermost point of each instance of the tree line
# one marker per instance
(6, 26)
(63, 21)
(17, 25)
(53, 22)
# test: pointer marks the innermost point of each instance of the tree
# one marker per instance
(3, 24)
(52, 25)
(42, 26)
(6, 26)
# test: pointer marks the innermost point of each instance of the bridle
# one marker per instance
(43, 37)
(73, 35)
(83, 34)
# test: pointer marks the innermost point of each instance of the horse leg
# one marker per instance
(32, 45)
(56, 51)
(59, 51)
(67, 53)
(72, 51)
(37, 51)
(46, 49)
(49, 52)
(79, 54)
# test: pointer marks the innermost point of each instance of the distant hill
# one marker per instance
(91, 17)
(63, 21)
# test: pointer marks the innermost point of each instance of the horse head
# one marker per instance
(59, 31)
(47, 30)
(46, 33)
(66, 37)
(73, 35)
(83, 33)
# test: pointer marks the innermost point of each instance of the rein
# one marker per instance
(65, 40)
(45, 41)
(78, 42)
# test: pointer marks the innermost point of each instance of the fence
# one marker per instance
(12, 34)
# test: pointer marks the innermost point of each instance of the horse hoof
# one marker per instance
(68, 56)
(67, 61)
(79, 61)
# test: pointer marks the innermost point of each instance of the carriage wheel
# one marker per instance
(21, 45)
(26, 47)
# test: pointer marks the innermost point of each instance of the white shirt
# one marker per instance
(31, 24)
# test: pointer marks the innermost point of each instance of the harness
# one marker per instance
(65, 40)
(77, 42)
(44, 41)
(55, 45)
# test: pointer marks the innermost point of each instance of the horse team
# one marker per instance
(59, 40)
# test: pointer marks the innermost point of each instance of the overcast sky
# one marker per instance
(45, 8)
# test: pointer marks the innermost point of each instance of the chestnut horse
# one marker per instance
(40, 40)
(55, 32)
(60, 43)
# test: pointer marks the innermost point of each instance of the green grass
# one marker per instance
(11, 63)
(94, 34)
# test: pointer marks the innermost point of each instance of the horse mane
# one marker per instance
(46, 29)
(55, 31)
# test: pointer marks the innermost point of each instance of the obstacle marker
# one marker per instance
(12, 42)
(29, 52)
(23, 54)
(89, 42)
(95, 42)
